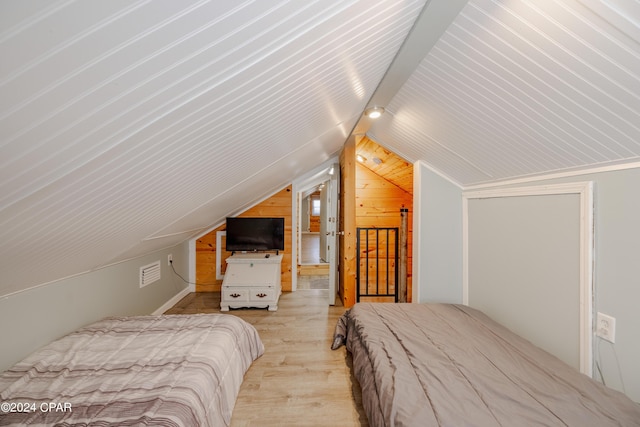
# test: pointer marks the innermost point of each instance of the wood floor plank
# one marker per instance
(299, 380)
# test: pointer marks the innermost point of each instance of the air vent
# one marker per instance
(149, 273)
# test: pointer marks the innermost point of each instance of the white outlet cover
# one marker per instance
(606, 327)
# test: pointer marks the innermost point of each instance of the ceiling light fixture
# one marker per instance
(361, 158)
(374, 112)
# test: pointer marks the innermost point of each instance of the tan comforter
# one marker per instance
(180, 370)
(450, 365)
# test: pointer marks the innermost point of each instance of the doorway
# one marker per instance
(314, 266)
(316, 201)
(310, 249)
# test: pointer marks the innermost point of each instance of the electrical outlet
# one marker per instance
(169, 259)
(606, 327)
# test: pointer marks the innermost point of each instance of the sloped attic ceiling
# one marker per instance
(130, 126)
(516, 88)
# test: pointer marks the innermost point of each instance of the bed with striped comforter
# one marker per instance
(175, 370)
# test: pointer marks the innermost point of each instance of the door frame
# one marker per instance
(585, 217)
(315, 177)
(333, 214)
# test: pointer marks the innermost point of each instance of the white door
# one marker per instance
(333, 199)
(324, 221)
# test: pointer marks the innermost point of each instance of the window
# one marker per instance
(315, 207)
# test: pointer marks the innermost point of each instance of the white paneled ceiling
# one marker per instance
(519, 88)
(130, 126)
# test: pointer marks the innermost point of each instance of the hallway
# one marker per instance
(310, 249)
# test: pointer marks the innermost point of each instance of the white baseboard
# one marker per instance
(173, 301)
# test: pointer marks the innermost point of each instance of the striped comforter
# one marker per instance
(178, 370)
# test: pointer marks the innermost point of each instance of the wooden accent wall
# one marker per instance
(390, 166)
(278, 205)
(378, 204)
(347, 223)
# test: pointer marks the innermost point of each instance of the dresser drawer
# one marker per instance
(262, 294)
(235, 294)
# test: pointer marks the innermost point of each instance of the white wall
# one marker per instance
(437, 262)
(35, 317)
(304, 214)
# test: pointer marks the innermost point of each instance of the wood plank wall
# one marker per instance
(278, 205)
(347, 241)
(378, 204)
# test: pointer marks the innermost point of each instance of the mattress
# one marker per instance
(451, 365)
(177, 370)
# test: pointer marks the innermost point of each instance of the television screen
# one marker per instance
(255, 234)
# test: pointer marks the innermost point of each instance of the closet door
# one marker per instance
(524, 269)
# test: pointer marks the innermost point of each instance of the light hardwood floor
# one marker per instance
(310, 249)
(299, 381)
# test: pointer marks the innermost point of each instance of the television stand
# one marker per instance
(251, 280)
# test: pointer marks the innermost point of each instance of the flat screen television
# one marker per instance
(252, 234)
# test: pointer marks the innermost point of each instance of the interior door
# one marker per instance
(333, 199)
(325, 218)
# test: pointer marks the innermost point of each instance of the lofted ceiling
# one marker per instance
(131, 126)
(516, 88)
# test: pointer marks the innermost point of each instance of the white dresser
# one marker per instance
(251, 280)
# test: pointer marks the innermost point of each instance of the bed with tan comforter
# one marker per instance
(177, 370)
(450, 365)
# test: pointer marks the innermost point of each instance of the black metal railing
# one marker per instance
(376, 270)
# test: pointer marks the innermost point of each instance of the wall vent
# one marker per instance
(149, 273)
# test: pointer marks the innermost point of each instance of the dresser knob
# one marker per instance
(261, 295)
(234, 295)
